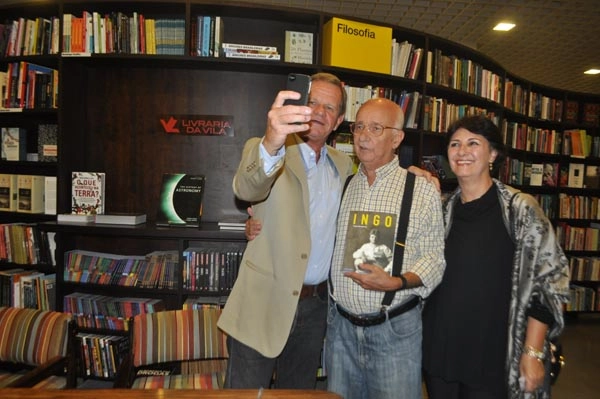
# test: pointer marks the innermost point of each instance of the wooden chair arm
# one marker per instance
(54, 366)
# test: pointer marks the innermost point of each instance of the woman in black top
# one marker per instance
(488, 324)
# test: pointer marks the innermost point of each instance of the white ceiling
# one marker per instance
(554, 41)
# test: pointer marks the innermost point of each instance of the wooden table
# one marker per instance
(27, 393)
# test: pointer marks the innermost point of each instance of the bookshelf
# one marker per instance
(541, 136)
(111, 105)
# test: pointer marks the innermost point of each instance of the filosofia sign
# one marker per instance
(198, 125)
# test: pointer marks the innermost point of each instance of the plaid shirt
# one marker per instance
(424, 250)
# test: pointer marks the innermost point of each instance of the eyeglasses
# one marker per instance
(374, 128)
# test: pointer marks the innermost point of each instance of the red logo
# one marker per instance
(170, 126)
(198, 125)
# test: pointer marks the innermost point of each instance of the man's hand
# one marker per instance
(427, 175)
(253, 226)
(372, 277)
(283, 120)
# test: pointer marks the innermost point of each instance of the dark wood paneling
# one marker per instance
(121, 133)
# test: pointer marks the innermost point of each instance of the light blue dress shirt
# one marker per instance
(324, 193)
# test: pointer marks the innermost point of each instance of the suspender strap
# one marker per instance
(343, 192)
(401, 234)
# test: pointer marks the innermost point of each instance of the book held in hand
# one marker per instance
(180, 200)
(121, 218)
(370, 239)
(87, 193)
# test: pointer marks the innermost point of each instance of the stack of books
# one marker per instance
(232, 224)
(250, 51)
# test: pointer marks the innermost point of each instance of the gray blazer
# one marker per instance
(260, 309)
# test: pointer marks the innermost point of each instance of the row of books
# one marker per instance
(408, 101)
(406, 59)
(30, 36)
(26, 244)
(155, 270)
(101, 355)
(583, 299)
(463, 74)
(548, 202)
(438, 113)
(207, 35)
(544, 107)
(515, 96)
(14, 143)
(28, 193)
(107, 312)
(117, 32)
(577, 143)
(210, 270)
(584, 268)
(578, 207)
(520, 136)
(536, 105)
(576, 238)
(26, 85)
(21, 288)
(550, 174)
(590, 115)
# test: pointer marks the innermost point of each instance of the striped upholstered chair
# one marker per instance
(175, 349)
(35, 349)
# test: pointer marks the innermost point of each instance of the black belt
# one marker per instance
(366, 321)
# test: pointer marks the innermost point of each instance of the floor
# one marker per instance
(580, 377)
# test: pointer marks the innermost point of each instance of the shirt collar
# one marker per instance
(308, 155)
(384, 170)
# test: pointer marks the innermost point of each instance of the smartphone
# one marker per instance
(300, 83)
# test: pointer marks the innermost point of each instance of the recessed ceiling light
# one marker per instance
(592, 71)
(504, 26)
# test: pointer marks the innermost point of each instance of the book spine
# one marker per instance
(272, 57)
(248, 47)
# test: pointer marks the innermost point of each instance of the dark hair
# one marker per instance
(334, 80)
(484, 126)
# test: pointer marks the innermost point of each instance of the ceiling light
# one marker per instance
(592, 71)
(504, 26)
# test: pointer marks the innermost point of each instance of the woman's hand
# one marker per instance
(533, 371)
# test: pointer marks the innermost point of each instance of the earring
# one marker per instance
(491, 166)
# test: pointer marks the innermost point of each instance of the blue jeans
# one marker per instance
(296, 367)
(382, 361)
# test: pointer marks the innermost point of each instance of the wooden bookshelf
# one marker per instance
(110, 107)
